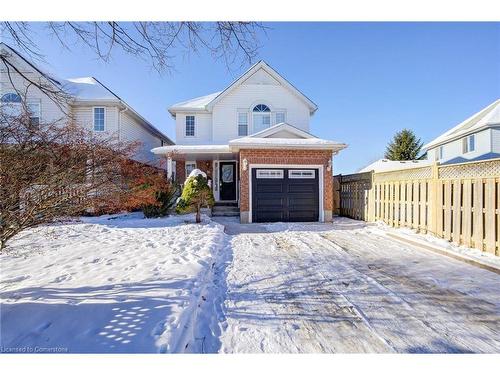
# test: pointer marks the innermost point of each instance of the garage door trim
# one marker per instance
(318, 167)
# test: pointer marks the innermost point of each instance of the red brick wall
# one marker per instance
(205, 166)
(180, 168)
(318, 157)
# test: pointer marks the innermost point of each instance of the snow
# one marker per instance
(196, 103)
(296, 288)
(106, 284)
(197, 172)
(385, 165)
(285, 142)
(122, 283)
(187, 149)
(88, 88)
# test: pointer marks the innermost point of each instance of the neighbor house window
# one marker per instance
(189, 126)
(261, 117)
(242, 124)
(441, 152)
(189, 168)
(469, 144)
(99, 119)
(11, 104)
(280, 117)
(34, 111)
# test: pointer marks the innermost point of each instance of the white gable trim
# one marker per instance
(262, 65)
(282, 127)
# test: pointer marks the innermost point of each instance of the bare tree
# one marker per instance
(157, 43)
(50, 171)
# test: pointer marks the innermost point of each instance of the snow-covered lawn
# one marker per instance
(106, 284)
(348, 287)
(128, 284)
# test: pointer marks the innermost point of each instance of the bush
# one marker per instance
(165, 203)
(195, 195)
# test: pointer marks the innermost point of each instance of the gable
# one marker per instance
(284, 134)
(260, 77)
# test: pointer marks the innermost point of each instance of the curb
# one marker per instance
(437, 250)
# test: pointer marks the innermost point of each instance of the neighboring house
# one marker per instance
(91, 104)
(476, 138)
(253, 141)
(386, 165)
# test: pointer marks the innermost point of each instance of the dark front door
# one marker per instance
(227, 181)
(285, 194)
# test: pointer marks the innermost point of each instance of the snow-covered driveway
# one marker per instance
(350, 288)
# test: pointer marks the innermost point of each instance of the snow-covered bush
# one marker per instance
(195, 195)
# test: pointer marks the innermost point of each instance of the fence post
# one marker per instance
(433, 206)
(371, 198)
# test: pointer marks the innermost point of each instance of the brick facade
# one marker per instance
(180, 168)
(301, 157)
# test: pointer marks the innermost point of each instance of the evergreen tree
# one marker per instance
(404, 146)
(195, 195)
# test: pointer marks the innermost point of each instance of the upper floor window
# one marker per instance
(441, 152)
(99, 119)
(280, 117)
(261, 117)
(242, 124)
(11, 97)
(469, 144)
(189, 126)
(34, 112)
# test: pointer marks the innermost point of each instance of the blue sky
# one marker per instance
(368, 79)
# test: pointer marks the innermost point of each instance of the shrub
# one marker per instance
(195, 195)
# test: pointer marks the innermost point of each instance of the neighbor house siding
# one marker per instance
(495, 140)
(133, 131)
(49, 109)
(84, 116)
(454, 149)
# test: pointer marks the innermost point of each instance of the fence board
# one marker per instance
(458, 202)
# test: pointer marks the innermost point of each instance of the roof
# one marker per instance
(385, 165)
(192, 149)
(486, 117)
(205, 103)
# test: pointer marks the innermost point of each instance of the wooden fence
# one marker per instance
(457, 202)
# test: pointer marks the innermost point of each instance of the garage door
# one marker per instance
(282, 194)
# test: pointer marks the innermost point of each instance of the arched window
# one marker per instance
(261, 117)
(261, 108)
(11, 98)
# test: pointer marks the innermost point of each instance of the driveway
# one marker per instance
(346, 287)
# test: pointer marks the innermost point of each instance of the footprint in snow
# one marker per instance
(62, 278)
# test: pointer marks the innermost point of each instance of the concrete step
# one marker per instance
(226, 214)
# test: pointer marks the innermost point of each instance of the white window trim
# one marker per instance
(238, 113)
(185, 126)
(301, 173)
(270, 174)
(185, 167)
(320, 169)
(466, 146)
(93, 119)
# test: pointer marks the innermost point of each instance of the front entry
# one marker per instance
(227, 178)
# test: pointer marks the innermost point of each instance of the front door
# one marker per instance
(227, 178)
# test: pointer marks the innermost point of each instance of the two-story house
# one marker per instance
(476, 138)
(253, 141)
(91, 104)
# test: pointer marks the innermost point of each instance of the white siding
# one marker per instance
(84, 116)
(245, 97)
(495, 140)
(202, 129)
(132, 130)
(50, 111)
(454, 149)
(220, 126)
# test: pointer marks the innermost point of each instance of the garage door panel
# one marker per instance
(285, 198)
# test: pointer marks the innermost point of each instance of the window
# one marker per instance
(280, 117)
(270, 173)
(469, 144)
(261, 117)
(99, 119)
(189, 126)
(301, 173)
(34, 111)
(11, 98)
(441, 152)
(189, 167)
(242, 124)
